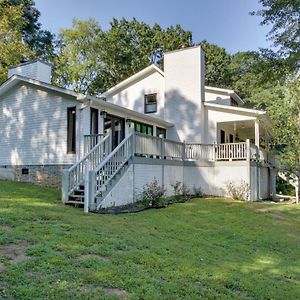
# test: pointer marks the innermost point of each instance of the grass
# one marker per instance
(205, 248)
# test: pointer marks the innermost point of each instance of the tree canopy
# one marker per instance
(12, 48)
(284, 17)
(92, 60)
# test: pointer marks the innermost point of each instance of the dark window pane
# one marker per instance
(71, 133)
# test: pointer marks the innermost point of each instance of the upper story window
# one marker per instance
(150, 103)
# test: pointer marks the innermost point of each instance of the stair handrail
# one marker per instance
(111, 164)
(94, 156)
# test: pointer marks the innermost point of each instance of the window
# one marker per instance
(150, 103)
(161, 132)
(231, 138)
(94, 121)
(71, 134)
(222, 136)
(142, 128)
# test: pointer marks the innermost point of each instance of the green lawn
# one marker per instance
(205, 248)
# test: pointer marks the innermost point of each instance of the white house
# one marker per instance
(156, 124)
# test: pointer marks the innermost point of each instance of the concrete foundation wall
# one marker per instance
(46, 175)
(210, 178)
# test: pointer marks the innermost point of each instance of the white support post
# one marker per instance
(65, 186)
(92, 189)
(248, 150)
(100, 124)
(256, 126)
(86, 186)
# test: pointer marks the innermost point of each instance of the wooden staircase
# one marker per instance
(89, 182)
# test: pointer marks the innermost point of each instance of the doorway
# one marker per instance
(116, 127)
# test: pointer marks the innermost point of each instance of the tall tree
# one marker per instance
(284, 17)
(217, 66)
(78, 64)
(286, 130)
(41, 42)
(124, 49)
(12, 48)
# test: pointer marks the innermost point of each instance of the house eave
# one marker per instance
(127, 112)
(228, 92)
(15, 79)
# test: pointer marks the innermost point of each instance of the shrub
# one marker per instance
(238, 191)
(197, 192)
(153, 193)
(181, 191)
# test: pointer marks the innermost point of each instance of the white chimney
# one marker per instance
(34, 69)
(184, 92)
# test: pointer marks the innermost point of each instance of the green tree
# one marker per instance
(12, 48)
(217, 66)
(92, 61)
(284, 16)
(41, 42)
(78, 63)
(286, 129)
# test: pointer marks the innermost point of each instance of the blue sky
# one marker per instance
(226, 23)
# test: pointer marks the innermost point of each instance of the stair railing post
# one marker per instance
(86, 185)
(65, 186)
(183, 150)
(92, 189)
(248, 150)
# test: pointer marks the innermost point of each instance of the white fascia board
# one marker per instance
(241, 110)
(13, 80)
(133, 79)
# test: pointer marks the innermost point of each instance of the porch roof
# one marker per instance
(127, 112)
(236, 110)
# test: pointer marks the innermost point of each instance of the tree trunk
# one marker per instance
(297, 189)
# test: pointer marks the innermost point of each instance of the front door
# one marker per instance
(116, 127)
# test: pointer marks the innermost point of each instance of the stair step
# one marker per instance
(74, 202)
(77, 196)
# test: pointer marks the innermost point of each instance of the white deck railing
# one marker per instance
(109, 167)
(74, 176)
(231, 151)
(90, 141)
(200, 152)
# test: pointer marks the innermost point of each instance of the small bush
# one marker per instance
(197, 192)
(238, 191)
(181, 191)
(153, 193)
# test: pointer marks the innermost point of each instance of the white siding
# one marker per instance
(132, 97)
(184, 82)
(33, 127)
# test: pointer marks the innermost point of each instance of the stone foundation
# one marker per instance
(46, 175)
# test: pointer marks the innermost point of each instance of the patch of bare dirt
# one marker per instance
(94, 256)
(14, 252)
(116, 292)
(5, 227)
